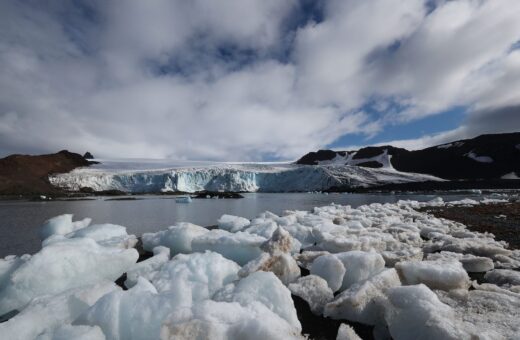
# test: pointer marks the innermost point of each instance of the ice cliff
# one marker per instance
(230, 177)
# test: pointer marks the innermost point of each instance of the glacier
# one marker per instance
(228, 177)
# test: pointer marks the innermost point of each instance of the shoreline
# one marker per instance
(500, 219)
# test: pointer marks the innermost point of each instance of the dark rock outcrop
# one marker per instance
(28, 175)
(370, 164)
(312, 158)
(88, 155)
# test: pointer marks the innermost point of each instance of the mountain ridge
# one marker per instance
(489, 156)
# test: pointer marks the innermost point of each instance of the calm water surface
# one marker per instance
(20, 220)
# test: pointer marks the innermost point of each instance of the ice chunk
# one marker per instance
(183, 199)
(108, 235)
(48, 312)
(363, 302)
(61, 225)
(263, 287)
(61, 266)
(306, 258)
(211, 320)
(280, 242)
(68, 332)
(330, 268)
(403, 252)
(264, 228)
(240, 247)
(100, 232)
(488, 312)
(148, 267)
(503, 277)
(8, 265)
(471, 263)
(314, 290)
(178, 238)
(232, 223)
(301, 233)
(194, 277)
(345, 332)
(445, 275)
(415, 312)
(137, 313)
(359, 266)
(282, 265)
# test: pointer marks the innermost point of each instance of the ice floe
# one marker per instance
(404, 273)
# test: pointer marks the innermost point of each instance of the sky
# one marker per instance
(254, 80)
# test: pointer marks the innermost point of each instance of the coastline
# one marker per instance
(500, 219)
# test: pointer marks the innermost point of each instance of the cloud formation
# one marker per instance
(249, 79)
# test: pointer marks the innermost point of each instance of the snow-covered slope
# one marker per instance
(382, 160)
(266, 177)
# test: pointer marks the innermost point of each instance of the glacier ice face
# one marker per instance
(232, 177)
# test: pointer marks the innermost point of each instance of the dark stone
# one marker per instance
(370, 164)
(319, 327)
(121, 281)
(220, 195)
(312, 158)
(88, 155)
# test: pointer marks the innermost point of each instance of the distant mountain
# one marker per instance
(493, 156)
(27, 175)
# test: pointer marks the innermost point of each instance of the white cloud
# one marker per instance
(226, 80)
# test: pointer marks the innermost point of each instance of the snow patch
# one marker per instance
(480, 159)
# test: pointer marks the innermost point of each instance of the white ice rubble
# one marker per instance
(404, 272)
(278, 177)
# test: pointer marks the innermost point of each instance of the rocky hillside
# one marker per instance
(28, 175)
(495, 156)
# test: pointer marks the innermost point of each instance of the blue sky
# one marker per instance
(430, 125)
(247, 80)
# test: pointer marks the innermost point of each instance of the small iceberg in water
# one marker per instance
(183, 199)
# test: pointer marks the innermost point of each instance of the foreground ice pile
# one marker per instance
(405, 273)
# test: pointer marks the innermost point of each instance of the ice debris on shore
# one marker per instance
(405, 273)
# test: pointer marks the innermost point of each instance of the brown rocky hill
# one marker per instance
(28, 175)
